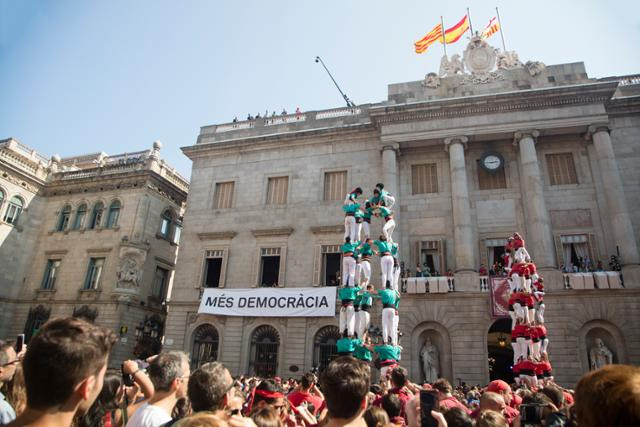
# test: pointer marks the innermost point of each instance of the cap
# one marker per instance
(498, 386)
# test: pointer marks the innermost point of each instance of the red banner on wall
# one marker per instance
(500, 290)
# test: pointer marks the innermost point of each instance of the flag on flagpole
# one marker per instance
(431, 37)
(492, 27)
(454, 33)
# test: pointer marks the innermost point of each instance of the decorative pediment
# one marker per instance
(327, 229)
(269, 232)
(217, 235)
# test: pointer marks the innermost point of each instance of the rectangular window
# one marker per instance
(213, 268)
(424, 178)
(93, 273)
(50, 274)
(331, 265)
(562, 170)
(223, 197)
(490, 180)
(160, 281)
(277, 189)
(177, 232)
(335, 185)
(431, 257)
(269, 267)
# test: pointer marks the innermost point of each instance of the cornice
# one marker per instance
(327, 229)
(268, 232)
(217, 235)
(526, 100)
(622, 106)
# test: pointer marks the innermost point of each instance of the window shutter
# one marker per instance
(442, 250)
(255, 267)
(559, 252)
(317, 264)
(593, 249)
(223, 267)
(283, 266)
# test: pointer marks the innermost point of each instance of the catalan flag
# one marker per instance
(431, 37)
(492, 27)
(454, 33)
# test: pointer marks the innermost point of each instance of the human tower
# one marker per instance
(529, 340)
(356, 291)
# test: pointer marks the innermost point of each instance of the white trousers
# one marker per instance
(347, 320)
(362, 322)
(366, 228)
(544, 344)
(358, 232)
(358, 273)
(365, 268)
(348, 270)
(387, 230)
(396, 278)
(387, 325)
(396, 323)
(389, 200)
(540, 313)
(350, 228)
(386, 265)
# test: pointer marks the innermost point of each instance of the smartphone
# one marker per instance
(19, 343)
(428, 402)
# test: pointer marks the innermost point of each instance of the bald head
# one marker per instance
(492, 401)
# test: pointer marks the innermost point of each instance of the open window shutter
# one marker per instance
(593, 249)
(442, 250)
(223, 267)
(559, 252)
(283, 266)
(416, 255)
(483, 253)
(317, 263)
(255, 268)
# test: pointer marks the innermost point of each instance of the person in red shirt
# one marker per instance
(503, 389)
(528, 372)
(400, 383)
(307, 392)
(447, 401)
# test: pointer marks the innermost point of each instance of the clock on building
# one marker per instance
(492, 162)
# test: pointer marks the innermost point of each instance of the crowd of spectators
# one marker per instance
(66, 382)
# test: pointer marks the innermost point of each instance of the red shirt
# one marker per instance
(482, 271)
(403, 395)
(508, 412)
(297, 397)
(451, 402)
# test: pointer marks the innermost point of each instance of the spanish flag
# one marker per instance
(492, 27)
(454, 33)
(431, 37)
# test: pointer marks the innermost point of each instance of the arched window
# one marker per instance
(165, 225)
(96, 215)
(265, 342)
(2, 196)
(205, 345)
(14, 209)
(81, 215)
(63, 220)
(324, 346)
(114, 213)
(177, 231)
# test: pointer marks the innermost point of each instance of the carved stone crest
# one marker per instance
(535, 67)
(130, 268)
(508, 60)
(479, 57)
(451, 67)
(431, 81)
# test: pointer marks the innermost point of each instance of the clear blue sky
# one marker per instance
(83, 76)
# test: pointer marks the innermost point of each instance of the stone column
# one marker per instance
(539, 238)
(619, 221)
(463, 244)
(390, 181)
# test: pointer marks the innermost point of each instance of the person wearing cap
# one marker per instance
(503, 389)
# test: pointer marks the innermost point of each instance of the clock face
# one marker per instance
(492, 162)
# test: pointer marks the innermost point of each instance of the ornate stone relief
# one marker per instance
(431, 80)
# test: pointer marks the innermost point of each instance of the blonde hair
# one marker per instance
(202, 419)
(491, 418)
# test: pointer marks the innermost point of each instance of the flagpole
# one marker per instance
(504, 48)
(469, 18)
(444, 39)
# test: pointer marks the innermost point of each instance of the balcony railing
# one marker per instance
(431, 285)
(337, 112)
(595, 280)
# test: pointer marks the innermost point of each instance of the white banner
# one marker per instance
(270, 302)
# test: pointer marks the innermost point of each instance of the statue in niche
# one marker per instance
(430, 361)
(128, 273)
(599, 355)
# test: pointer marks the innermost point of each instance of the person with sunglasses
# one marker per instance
(8, 362)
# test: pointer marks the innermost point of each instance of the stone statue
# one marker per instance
(430, 361)
(600, 355)
(431, 80)
(128, 273)
(535, 67)
(451, 68)
(507, 60)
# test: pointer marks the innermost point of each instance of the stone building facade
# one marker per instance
(94, 236)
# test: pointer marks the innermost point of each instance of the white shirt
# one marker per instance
(7, 414)
(149, 416)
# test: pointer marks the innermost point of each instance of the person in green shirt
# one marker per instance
(389, 297)
(350, 220)
(366, 252)
(389, 356)
(362, 316)
(381, 197)
(347, 295)
(366, 219)
(346, 346)
(363, 351)
(348, 262)
(390, 223)
(386, 260)
(395, 274)
(353, 195)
